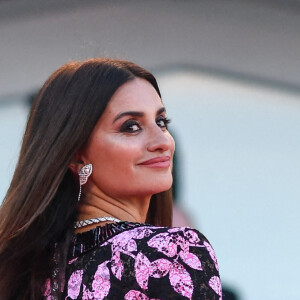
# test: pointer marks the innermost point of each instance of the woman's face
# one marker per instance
(130, 147)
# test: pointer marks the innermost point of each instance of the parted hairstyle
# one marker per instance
(39, 209)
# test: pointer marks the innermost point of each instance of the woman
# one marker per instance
(97, 151)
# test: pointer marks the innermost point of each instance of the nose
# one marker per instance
(159, 140)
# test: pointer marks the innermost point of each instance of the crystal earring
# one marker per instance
(84, 174)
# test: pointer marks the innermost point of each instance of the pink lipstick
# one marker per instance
(157, 162)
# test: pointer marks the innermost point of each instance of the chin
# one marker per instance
(161, 187)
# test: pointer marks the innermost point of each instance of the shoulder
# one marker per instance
(146, 260)
(172, 242)
(161, 236)
(191, 259)
(185, 243)
(181, 254)
(158, 237)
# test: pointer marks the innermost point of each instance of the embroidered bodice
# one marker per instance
(134, 261)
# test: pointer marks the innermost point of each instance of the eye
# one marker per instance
(162, 122)
(130, 126)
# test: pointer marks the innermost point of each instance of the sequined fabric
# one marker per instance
(134, 261)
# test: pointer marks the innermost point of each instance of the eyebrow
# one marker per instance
(136, 114)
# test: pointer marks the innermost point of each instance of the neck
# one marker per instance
(95, 205)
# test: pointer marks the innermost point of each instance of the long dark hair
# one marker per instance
(39, 209)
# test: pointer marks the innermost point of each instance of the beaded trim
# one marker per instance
(88, 240)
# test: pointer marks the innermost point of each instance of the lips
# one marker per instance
(157, 162)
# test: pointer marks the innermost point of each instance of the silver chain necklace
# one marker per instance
(87, 222)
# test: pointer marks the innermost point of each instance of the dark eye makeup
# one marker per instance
(130, 126)
(133, 126)
(163, 122)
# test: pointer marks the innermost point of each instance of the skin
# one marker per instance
(121, 184)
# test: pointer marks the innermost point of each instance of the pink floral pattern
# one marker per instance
(191, 260)
(116, 265)
(154, 253)
(215, 284)
(136, 295)
(74, 284)
(165, 243)
(160, 268)
(192, 237)
(100, 284)
(181, 280)
(141, 268)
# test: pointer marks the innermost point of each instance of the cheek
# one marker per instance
(115, 154)
(114, 162)
(123, 149)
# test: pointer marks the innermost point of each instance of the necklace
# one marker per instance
(87, 222)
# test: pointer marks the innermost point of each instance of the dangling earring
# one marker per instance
(84, 174)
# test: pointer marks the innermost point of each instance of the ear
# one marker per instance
(76, 164)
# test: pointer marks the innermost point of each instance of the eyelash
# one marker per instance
(127, 126)
(165, 120)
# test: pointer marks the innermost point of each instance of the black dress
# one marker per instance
(134, 261)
